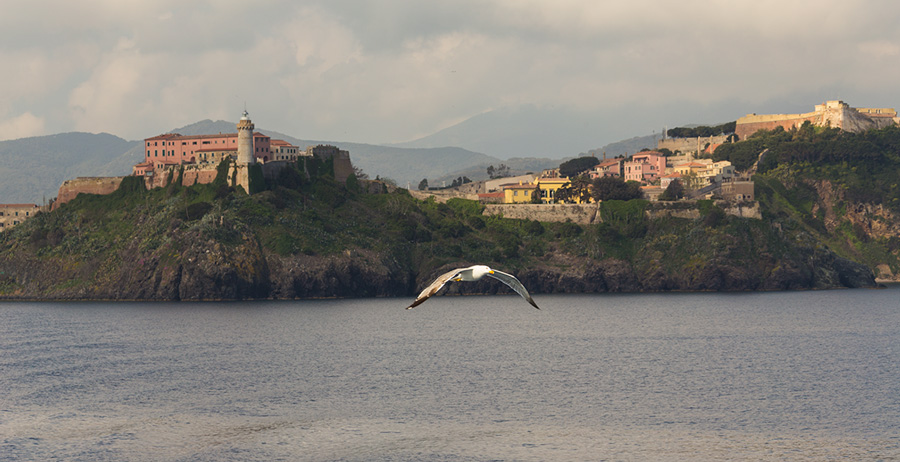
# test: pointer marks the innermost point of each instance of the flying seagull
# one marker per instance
(472, 273)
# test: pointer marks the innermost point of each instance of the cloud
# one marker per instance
(392, 70)
(22, 126)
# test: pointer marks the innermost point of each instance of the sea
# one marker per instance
(780, 376)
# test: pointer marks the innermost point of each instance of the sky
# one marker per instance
(390, 71)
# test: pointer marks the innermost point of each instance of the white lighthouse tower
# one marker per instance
(245, 154)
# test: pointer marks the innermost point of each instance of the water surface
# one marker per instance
(748, 376)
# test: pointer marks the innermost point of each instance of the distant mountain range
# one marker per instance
(510, 133)
(32, 169)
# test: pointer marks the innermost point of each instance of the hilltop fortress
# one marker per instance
(195, 160)
(835, 114)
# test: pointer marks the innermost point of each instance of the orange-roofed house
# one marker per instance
(665, 180)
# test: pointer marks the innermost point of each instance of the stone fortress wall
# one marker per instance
(88, 185)
(694, 144)
(837, 114)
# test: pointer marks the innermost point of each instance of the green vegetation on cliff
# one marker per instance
(304, 235)
(841, 188)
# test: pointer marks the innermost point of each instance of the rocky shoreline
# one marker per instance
(247, 272)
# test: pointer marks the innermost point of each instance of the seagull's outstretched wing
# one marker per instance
(514, 284)
(435, 286)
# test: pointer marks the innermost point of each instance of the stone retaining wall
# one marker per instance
(586, 214)
(578, 213)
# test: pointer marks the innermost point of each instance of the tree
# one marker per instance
(423, 185)
(691, 181)
(564, 194)
(500, 172)
(673, 192)
(459, 181)
(581, 188)
(577, 165)
(360, 174)
(536, 195)
(702, 131)
(614, 188)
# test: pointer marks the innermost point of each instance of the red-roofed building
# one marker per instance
(645, 167)
(174, 149)
(609, 167)
(665, 180)
(282, 150)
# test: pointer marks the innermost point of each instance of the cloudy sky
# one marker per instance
(396, 70)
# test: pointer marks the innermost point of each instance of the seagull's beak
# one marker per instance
(491, 271)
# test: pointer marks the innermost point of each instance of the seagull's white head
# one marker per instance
(478, 271)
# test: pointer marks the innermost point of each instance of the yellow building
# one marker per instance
(549, 186)
(522, 192)
(518, 193)
(690, 167)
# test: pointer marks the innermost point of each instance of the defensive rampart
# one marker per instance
(695, 144)
(89, 185)
(836, 114)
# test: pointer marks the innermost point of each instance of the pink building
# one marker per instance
(645, 167)
(610, 167)
(175, 149)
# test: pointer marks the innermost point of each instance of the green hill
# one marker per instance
(308, 236)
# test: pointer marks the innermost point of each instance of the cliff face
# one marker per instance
(868, 223)
(192, 268)
(250, 274)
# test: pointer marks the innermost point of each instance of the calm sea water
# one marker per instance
(750, 376)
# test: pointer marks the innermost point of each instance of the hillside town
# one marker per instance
(686, 161)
